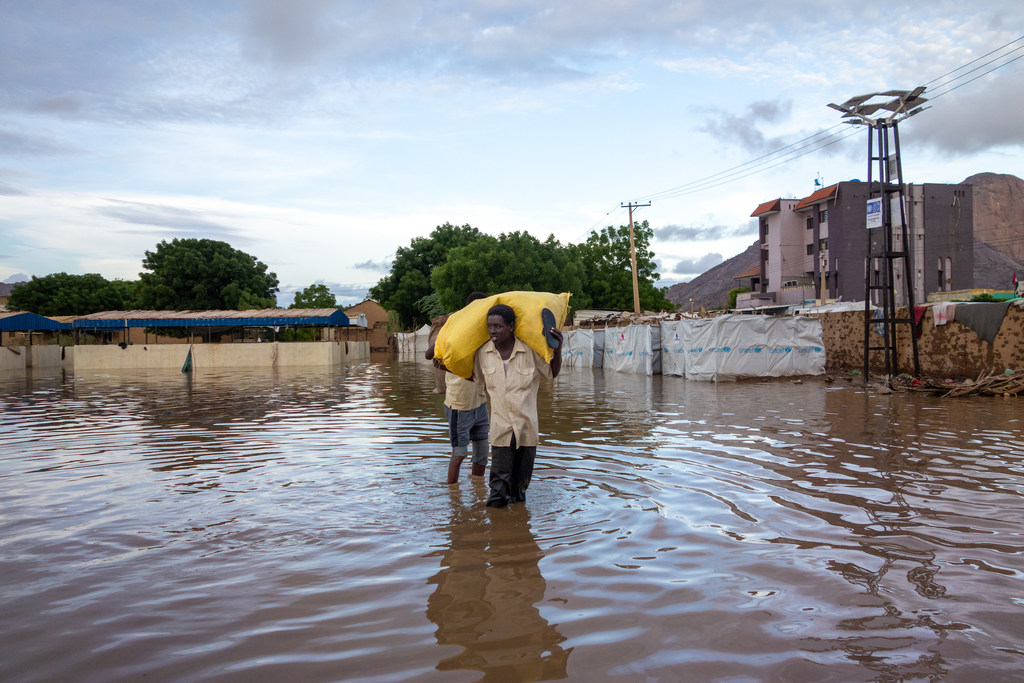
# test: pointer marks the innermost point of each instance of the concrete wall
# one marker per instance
(847, 242)
(952, 350)
(796, 295)
(42, 357)
(949, 232)
(172, 356)
(785, 242)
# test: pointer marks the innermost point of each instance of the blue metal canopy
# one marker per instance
(281, 317)
(22, 321)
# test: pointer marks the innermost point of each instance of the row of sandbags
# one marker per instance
(726, 347)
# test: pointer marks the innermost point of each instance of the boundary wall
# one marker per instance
(172, 356)
(949, 349)
(40, 357)
(731, 347)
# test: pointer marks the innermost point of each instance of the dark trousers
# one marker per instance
(511, 471)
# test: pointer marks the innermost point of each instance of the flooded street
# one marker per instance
(294, 525)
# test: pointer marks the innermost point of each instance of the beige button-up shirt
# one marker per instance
(461, 394)
(513, 392)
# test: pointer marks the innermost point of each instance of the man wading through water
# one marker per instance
(465, 408)
(511, 371)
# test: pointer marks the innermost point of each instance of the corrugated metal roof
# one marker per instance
(22, 321)
(768, 207)
(331, 317)
(819, 196)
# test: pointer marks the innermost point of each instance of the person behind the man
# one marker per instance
(465, 409)
(511, 371)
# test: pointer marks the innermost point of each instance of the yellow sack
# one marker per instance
(466, 329)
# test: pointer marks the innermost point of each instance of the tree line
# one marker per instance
(181, 275)
(435, 274)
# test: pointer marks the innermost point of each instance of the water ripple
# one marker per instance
(293, 525)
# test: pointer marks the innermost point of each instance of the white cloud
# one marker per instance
(321, 135)
(697, 266)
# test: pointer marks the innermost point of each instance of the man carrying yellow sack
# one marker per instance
(465, 409)
(511, 371)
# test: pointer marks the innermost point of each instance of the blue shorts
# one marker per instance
(466, 426)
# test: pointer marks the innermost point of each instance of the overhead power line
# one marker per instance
(986, 73)
(617, 210)
(826, 138)
(740, 168)
(748, 171)
(977, 59)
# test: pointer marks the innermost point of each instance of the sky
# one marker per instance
(321, 135)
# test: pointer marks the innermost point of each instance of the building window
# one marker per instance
(823, 216)
(810, 249)
(824, 243)
(810, 223)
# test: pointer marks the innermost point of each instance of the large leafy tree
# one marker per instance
(204, 274)
(404, 290)
(513, 261)
(609, 271)
(315, 296)
(64, 294)
(436, 273)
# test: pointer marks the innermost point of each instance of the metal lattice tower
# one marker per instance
(886, 205)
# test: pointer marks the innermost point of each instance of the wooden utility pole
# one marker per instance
(632, 255)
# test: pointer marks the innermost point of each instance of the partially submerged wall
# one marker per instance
(172, 356)
(41, 357)
(951, 350)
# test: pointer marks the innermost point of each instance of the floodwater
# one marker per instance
(293, 525)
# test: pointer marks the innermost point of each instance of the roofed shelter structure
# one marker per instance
(164, 340)
(23, 321)
(210, 326)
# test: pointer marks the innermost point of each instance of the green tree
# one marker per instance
(734, 292)
(204, 274)
(404, 288)
(64, 294)
(315, 296)
(513, 261)
(609, 271)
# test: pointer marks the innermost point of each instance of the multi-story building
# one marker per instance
(815, 247)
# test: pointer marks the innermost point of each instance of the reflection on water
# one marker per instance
(487, 595)
(294, 525)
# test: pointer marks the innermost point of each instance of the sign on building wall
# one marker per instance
(874, 213)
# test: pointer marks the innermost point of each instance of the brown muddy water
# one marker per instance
(293, 526)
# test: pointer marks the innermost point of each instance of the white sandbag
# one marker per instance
(422, 337)
(578, 348)
(673, 348)
(701, 361)
(406, 342)
(634, 348)
(737, 346)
